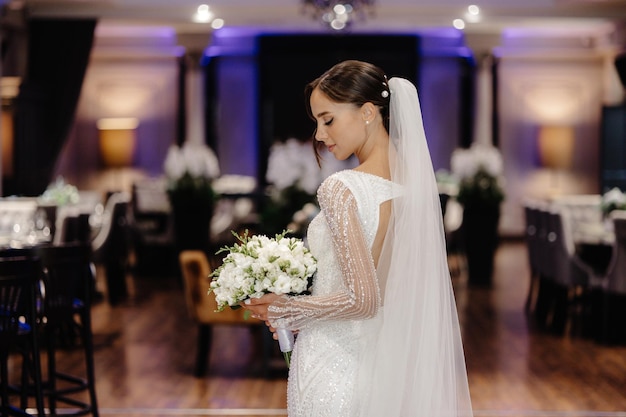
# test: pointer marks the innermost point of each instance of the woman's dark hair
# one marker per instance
(353, 82)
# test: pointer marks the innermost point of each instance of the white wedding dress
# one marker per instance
(328, 361)
(349, 360)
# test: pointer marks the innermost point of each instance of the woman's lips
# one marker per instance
(330, 148)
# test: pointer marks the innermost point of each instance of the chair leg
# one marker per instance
(30, 370)
(203, 349)
(89, 363)
(542, 303)
(530, 298)
(37, 378)
(58, 394)
(560, 310)
(4, 379)
(51, 382)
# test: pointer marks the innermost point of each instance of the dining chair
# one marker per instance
(111, 246)
(571, 277)
(152, 229)
(19, 282)
(531, 235)
(612, 304)
(544, 267)
(202, 308)
(68, 275)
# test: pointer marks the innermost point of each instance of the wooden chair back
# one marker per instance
(200, 304)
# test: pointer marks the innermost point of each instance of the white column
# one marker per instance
(194, 101)
(484, 103)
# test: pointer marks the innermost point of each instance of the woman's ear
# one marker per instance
(368, 111)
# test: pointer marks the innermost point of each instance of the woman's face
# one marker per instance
(340, 126)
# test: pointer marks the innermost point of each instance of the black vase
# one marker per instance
(192, 213)
(480, 233)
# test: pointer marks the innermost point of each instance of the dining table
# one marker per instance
(594, 242)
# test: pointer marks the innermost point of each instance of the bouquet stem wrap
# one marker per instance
(286, 341)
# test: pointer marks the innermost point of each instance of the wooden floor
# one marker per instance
(145, 352)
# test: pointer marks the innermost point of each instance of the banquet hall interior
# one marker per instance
(149, 133)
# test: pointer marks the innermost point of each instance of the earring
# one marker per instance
(367, 122)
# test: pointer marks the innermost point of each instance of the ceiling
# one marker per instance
(388, 14)
(600, 19)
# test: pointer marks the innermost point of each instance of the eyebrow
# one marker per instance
(321, 114)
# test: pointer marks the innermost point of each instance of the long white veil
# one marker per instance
(419, 361)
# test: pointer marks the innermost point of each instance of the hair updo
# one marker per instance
(353, 82)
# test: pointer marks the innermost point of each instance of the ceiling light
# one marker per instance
(203, 14)
(458, 23)
(217, 23)
(338, 14)
(473, 14)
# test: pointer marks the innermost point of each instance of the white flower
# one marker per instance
(293, 163)
(197, 160)
(60, 193)
(614, 196)
(478, 171)
(465, 163)
(259, 265)
(614, 199)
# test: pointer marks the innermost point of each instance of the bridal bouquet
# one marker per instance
(259, 265)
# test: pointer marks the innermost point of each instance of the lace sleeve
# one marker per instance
(359, 297)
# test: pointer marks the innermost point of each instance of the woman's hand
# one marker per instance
(258, 306)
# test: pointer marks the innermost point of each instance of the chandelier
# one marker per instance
(338, 14)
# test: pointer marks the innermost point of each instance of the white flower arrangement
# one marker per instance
(293, 163)
(60, 193)
(293, 176)
(614, 199)
(259, 265)
(466, 163)
(479, 172)
(190, 171)
(194, 160)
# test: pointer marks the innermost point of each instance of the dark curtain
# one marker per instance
(58, 54)
(211, 100)
(181, 114)
(620, 65)
(495, 121)
(288, 63)
(467, 85)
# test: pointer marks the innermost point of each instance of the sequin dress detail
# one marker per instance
(337, 322)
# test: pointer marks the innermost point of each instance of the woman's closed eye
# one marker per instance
(328, 122)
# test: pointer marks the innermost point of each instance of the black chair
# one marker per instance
(570, 277)
(68, 274)
(111, 246)
(531, 217)
(543, 242)
(610, 308)
(19, 281)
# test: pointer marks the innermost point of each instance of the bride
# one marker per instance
(379, 334)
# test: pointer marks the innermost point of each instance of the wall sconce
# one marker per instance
(556, 146)
(117, 141)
